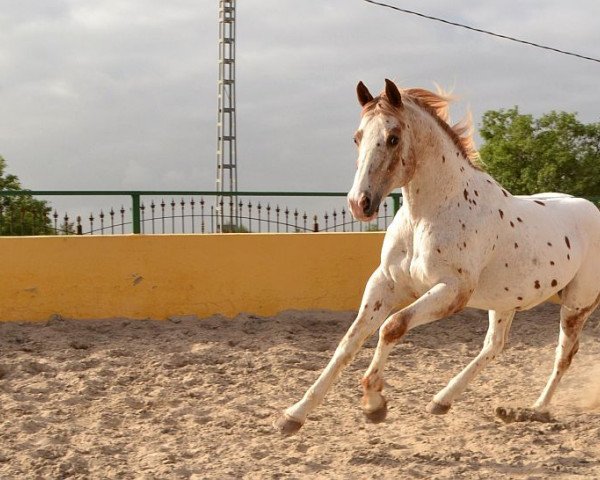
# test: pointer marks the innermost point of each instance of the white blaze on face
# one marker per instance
(373, 157)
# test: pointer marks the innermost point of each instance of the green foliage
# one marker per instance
(373, 227)
(22, 215)
(232, 228)
(553, 153)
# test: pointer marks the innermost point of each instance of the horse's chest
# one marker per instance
(411, 262)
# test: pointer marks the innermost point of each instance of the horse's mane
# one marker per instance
(437, 105)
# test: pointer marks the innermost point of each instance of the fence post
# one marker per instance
(396, 199)
(135, 206)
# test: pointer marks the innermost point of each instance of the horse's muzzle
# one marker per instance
(365, 208)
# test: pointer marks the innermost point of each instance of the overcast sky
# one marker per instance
(122, 94)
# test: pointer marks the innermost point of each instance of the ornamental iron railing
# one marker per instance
(167, 212)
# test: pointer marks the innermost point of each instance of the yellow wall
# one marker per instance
(144, 276)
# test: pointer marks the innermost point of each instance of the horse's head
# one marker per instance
(384, 151)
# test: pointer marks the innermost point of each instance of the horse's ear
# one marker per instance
(364, 96)
(392, 93)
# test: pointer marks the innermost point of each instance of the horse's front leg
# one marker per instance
(495, 339)
(445, 298)
(378, 300)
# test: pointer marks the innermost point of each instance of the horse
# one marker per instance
(459, 240)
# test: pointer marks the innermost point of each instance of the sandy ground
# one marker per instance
(195, 399)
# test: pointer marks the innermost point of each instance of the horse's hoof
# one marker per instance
(286, 425)
(377, 416)
(437, 408)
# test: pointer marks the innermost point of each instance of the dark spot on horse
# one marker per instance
(535, 261)
(476, 193)
(519, 298)
(549, 244)
(462, 169)
(465, 244)
(438, 250)
(377, 305)
(505, 193)
(466, 194)
(569, 359)
(459, 303)
(418, 190)
(443, 159)
(378, 144)
(512, 224)
(403, 162)
(506, 288)
(540, 203)
(537, 284)
(476, 232)
(516, 245)
(519, 220)
(568, 257)
(554, 283)
(395, 330)
(463, 226)
(457, 154)
(567, 242)
(488, 181)
(366, 306)
(551, 262)
(506, 265)
(500, 320)
(501, 213)
(366, 384)
(493, 247)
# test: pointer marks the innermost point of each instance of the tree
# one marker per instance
(21, 215)
(553, 153)
(233, 228)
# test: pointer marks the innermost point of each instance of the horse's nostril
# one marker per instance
(364, 203)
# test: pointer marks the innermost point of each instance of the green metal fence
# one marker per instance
(185, 211)
(193, 212)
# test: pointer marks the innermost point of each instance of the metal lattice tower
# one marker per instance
(226, 207)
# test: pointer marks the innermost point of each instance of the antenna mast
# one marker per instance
(226, 124)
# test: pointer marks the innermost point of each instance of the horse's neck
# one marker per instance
(442, 173)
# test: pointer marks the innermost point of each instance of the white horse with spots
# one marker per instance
(459, 240)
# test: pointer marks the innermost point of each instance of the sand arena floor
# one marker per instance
(195, 399)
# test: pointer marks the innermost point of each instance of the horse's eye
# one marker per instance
(393, 140)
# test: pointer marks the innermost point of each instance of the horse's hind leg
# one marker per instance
(578, 302)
